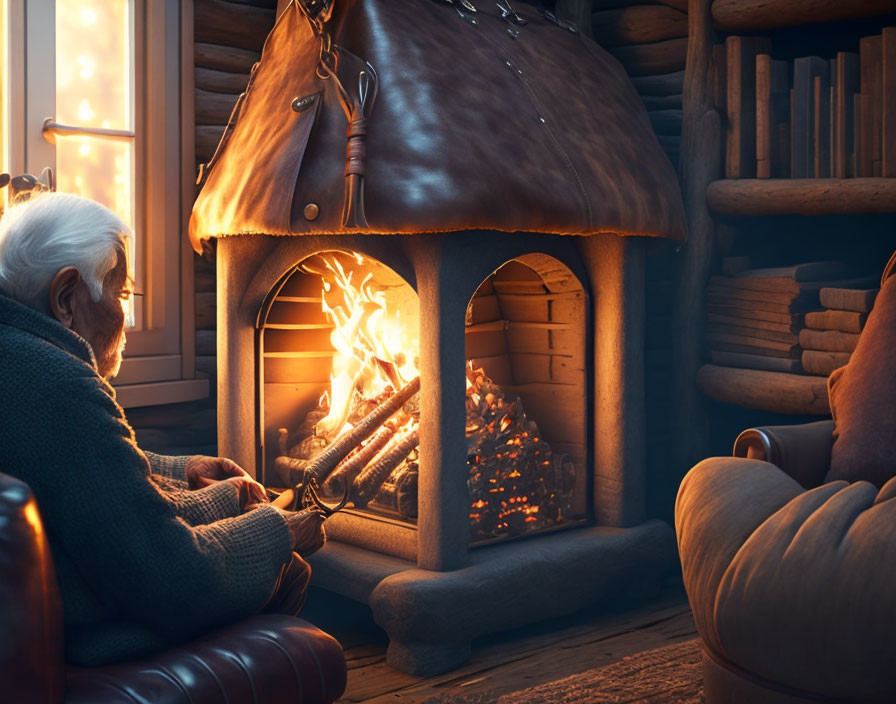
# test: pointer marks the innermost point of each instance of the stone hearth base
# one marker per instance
(432, 617)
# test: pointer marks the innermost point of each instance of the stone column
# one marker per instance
(616, 270)
(237, 413)
(443, 528)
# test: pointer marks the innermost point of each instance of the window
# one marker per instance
(100, 91)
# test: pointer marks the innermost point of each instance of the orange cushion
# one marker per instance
(863, 400)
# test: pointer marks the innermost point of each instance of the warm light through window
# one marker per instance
(94, 88)
(4, 98)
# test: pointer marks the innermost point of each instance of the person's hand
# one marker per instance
(307, 528)
(251, 494)
(202, 471)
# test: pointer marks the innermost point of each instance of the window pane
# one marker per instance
(94, 88)
(4, 97)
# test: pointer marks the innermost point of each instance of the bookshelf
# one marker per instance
(732, 212)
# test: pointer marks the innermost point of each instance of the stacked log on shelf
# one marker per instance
(831, 334)
(757, 318)
(650, 41)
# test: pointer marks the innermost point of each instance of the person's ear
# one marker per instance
(62, 292)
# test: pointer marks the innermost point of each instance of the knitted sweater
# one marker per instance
(134, 574)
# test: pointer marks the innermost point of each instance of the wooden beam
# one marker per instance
(650, 59)
(207, 138)
(700, 163)
(231, 24)
(224, 58)
(639, 24)
(802, 196)
(220, 81)
(746, 15)
(213, 108)
(663, 84)
(766, 391)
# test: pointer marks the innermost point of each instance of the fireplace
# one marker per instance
(338, 336)
(511, 487)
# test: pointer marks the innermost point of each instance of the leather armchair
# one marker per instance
(790, 580)
(264, 659)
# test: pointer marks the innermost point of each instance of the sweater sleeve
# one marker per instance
(128, 543)
(173, 467)
(200, 506)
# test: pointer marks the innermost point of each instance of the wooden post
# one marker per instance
(700, 164)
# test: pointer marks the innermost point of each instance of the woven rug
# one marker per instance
(667, 675)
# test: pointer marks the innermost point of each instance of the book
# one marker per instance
(828, 340)
(746, 306)
(754, 323)
(796, 303)
(870, 82)
(740, 138)
(805, 69)
(823, 363)
(763, 351)
(772, 101)
(841, 320)
(772, 347)
(851, 299)
(756, 361)
(757, 334)
(821, 122)
(888, 102)
(864, 136)
(806, 271)
(748, 316)
(847, 83)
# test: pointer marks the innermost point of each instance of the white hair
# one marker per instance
(51, 231)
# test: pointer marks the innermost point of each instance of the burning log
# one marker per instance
(399, 492)
(320, 468)
(351, 466)
(290, 471)
(369, 481)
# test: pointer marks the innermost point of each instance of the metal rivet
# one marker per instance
(302, 104)
(542, 120)
(509, 64)
(311, 211)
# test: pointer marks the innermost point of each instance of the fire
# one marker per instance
(375, 349)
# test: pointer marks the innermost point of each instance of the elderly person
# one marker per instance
(149, 550)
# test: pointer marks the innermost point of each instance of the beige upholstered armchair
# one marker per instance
(790, 580)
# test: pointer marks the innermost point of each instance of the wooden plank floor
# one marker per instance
(517, 659)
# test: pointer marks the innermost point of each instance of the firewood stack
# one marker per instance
(517, 484)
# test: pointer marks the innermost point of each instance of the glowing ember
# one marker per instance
(507, 458)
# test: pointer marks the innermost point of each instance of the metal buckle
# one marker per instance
(508, 14)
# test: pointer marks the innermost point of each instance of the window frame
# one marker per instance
(159, 363)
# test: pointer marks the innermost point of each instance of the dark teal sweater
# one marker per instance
(142, 563)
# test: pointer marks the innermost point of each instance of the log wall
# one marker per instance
(650, 40)
(228, 37)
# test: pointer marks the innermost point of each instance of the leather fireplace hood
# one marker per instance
(466, 126)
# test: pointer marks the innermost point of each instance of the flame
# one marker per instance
(374, 348)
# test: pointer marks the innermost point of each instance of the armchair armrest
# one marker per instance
(802, 451)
